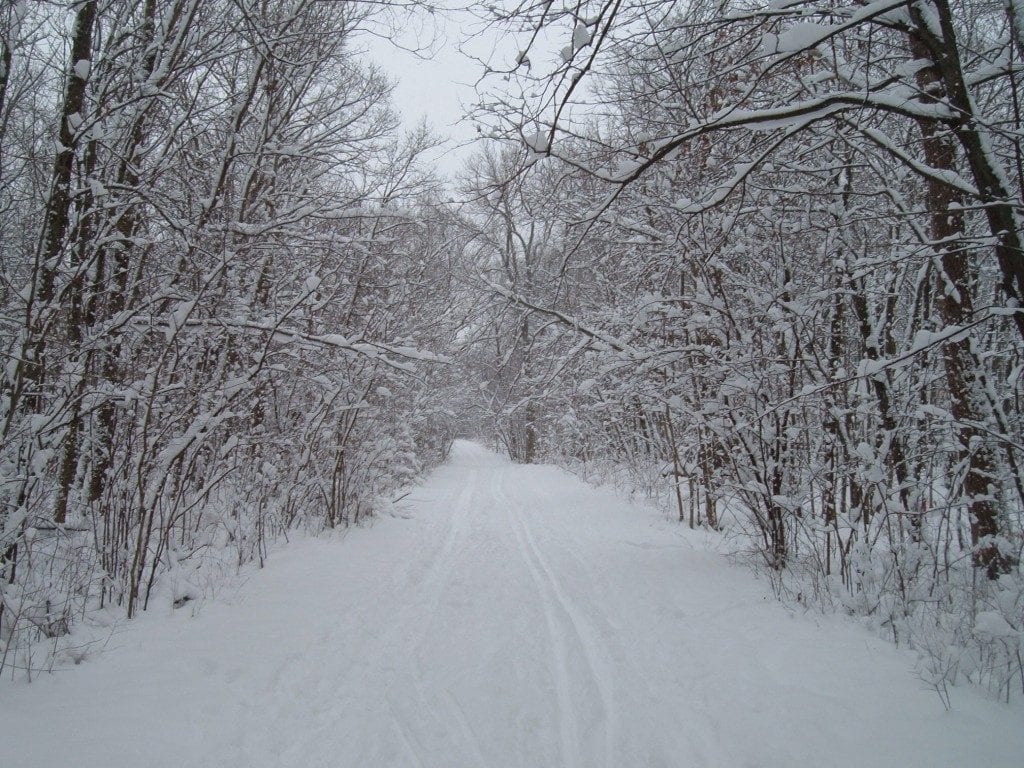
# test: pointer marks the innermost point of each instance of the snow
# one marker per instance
(801, 36)
(992, 624)
(580, 37)
(311, 283)
(509, 616)
(538, 142)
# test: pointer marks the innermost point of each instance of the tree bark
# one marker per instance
(945, 79)
(58, 207)
(955, 302)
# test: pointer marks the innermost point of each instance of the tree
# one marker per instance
(764, 81)
(797, 230)
(224, 325)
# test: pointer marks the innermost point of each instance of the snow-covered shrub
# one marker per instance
(227, 325)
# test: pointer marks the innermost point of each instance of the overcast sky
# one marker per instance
(438, 84)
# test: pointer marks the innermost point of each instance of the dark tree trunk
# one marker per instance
(59, 204)
(955, 301)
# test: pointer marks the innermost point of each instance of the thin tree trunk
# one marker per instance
(59, 205)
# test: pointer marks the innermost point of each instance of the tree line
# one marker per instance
(225, 289)
(767, 256)
(762, 261)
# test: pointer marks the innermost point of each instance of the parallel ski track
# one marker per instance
(566, 626)
(515, 619)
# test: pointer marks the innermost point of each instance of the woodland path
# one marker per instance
(515, 618)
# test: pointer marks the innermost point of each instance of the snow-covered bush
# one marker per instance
(795, 309)
(224, 291)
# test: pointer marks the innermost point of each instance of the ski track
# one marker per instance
(571, 630)
(516, 619)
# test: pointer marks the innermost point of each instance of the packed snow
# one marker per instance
(510, 616)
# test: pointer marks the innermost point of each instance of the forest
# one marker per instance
(760, 262)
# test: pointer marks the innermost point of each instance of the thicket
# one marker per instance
(768, 258)
(225, 290)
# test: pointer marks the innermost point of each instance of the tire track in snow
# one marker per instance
(434, 581)
(554, 602)
(442, 562)
(455, 709)
(431, 721)
(417, 716)
(411, 744)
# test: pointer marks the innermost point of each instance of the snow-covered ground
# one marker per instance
(516, 618)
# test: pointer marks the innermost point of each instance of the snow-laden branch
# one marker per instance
(600, 337)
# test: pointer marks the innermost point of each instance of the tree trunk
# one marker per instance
(944, 79)
(59, 204)
(955, 301)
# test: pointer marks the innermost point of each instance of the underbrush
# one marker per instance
(65, 587)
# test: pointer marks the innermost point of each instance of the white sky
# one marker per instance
(437, 84)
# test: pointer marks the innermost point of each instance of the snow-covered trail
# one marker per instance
(516, 618)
